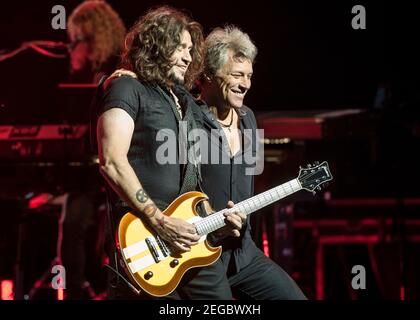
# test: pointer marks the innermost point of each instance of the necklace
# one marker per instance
(232, 139)
(227, 125)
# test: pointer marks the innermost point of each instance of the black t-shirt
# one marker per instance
(154, 138)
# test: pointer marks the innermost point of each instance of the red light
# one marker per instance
(60, 294)
(39, 200)
(265, 244)
(402, 293)
(7, 290)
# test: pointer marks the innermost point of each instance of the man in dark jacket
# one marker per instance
(226, 79)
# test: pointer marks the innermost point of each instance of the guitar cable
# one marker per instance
(119, 275)
(111, 226)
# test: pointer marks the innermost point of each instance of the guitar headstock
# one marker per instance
(314, 175)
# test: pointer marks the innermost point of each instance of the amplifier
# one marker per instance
(315, 124)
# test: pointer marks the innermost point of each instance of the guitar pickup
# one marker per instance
(153, 250)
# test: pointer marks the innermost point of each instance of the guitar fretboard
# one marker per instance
(217, 219)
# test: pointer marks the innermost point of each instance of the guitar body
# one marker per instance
(162, 277)
(157, 270)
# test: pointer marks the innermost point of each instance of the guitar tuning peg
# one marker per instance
(316, 163)
(318, 188)
(309, 166)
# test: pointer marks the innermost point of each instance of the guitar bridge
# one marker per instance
(152, 248)
(157, 248)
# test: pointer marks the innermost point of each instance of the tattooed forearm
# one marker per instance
(150, 210)
(141, 196)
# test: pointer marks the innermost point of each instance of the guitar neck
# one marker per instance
(217, 220)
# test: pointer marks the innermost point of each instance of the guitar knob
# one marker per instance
(148, 275)
(174, 263)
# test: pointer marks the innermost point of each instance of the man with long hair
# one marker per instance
(164, 49)
(97, 34)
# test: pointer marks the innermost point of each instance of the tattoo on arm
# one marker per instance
(150, 210)
(141, 196)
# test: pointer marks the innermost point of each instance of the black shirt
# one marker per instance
(228, 179)
(153, 111)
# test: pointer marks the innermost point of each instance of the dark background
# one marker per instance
(309, 55)
(309, 58)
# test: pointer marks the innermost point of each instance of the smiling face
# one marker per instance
(233, 81)
(181, 59)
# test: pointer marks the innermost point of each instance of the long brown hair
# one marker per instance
(153, 39)
(102, 28)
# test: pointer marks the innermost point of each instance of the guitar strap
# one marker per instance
(194, 118)
(191, 171)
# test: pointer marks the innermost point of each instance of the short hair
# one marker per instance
(153, 39)
(101, 27)
(222, 40)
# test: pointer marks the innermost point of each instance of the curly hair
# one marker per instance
(101, 27)
(153, 39)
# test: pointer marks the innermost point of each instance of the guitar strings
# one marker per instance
(214, 218)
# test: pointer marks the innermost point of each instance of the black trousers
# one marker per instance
(262, 279)
(80, 216)
(83, 244)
